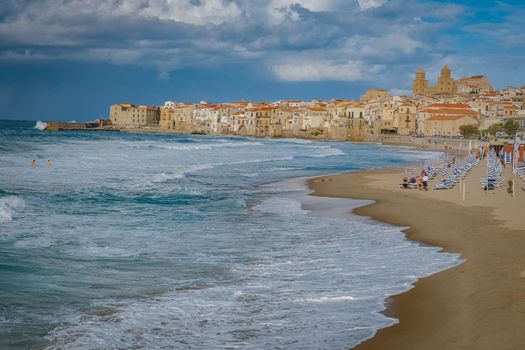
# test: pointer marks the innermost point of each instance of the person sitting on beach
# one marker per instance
(425, 182)
(405, 182)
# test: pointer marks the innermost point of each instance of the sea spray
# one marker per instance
(9, 207)
(40, 125)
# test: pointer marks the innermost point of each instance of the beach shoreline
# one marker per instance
(479, 304)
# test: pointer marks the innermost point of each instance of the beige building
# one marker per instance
(314, 121)
(444, 109)
(358, 126)
(388, 117)
(375, 94)
(166, 117)
(129, 115)
(183, 118)
(474, 84)
(261, 117)
(244, 123)
(447, 125)
(338, 116)
(406, 124)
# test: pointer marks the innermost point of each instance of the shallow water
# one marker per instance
(167, 241)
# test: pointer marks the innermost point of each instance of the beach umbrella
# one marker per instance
(414, 170)
(444, 171)
(405, 173)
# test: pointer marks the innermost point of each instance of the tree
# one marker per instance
(510, 127)
(468, 130)
(494, 128)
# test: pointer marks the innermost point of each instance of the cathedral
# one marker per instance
(445, 85)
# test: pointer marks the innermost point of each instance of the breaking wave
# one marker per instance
(165, 177)
(194, 147)
(9, 207)
(326, 151)
(40, 125)
(281, 206)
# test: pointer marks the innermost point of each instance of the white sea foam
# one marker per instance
(199, 146)
(40, 125)
(328, 299)
(102, 252)
(326, 151)
(261, 160)
(9, 207)
(283, 168)
(287, 140)
(284, 206)
(249, 174)
(181, 173)
(165, 177)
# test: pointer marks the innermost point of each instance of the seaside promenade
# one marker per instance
(479, 304)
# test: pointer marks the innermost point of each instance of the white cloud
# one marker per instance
(370, 4)
(395, 42)
(199, 13)
(318, 70)
(312, 5)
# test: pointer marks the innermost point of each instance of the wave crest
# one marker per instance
(40, 125)
(166, 177)
(326, 151)
(9, 207)
(209, 146)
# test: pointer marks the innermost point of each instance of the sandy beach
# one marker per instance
(479, 304)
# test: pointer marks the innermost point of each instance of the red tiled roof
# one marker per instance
(449, 105)
(447, 117)
(452, 111)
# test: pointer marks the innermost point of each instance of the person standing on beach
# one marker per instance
(419, 181)
(425, 182)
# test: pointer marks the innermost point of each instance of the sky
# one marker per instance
(72, 59)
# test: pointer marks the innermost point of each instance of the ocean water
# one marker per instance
(142, 241)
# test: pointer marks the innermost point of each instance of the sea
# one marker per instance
(148, 241)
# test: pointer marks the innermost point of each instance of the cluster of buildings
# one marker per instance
(437, 110)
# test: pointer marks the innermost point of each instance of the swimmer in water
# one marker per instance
(49, 163)
(33, 163)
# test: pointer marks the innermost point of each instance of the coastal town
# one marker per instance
(305, 174)
(449, 108)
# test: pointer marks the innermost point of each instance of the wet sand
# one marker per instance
(479, 304)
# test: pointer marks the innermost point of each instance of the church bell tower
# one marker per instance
(420, 84)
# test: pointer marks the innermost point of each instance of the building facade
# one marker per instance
(447, 125)
(445, 84)
(129, 115)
